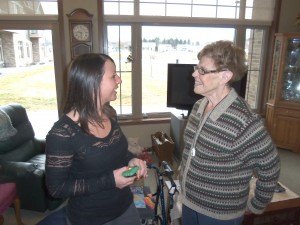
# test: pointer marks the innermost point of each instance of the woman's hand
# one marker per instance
(143, 171)
(120, 180)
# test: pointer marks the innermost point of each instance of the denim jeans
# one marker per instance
(56, 218)
(191, 217)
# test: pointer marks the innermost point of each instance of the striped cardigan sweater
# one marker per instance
(230, 143)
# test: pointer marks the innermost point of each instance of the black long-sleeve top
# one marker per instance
(80, 167)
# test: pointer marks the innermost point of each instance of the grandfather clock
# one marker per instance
(81, 32)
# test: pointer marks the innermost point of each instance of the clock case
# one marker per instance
(80, 17)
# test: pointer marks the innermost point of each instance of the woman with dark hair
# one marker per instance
(86, 151)
(225, 144)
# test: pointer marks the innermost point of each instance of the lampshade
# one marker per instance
(6, 128)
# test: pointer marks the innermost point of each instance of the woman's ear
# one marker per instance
(226, 76)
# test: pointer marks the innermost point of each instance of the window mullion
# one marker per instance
(182, 21)
(242, 9)
(136, 71)
(136, 8)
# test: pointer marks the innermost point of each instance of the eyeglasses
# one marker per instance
(202, 71)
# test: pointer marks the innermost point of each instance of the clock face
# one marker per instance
(81, 32)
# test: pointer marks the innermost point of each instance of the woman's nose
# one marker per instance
(195, 74)
(119, 80)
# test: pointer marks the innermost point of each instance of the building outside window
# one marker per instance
(25, 7)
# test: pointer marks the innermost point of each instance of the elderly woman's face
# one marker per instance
(207, 80)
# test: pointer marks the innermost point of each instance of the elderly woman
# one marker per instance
(225, 144)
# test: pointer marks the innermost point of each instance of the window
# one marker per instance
(28, 76)
(243, 9)
(120, 50)
(199, 8)
(164, 44)
(27, 50)
(174, 31)
(113, 7)
(20, 49)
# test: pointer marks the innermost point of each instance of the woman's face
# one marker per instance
(209, 83)
(110, 83)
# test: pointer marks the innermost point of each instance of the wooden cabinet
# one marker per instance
(283, 106)
(284, 209)
(284, 213)
(163, 146)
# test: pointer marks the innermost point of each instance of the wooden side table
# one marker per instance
(284, 209)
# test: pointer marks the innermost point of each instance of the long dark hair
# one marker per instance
(85, 74)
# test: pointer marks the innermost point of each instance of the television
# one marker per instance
(180, 87)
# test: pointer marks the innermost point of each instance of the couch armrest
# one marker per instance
(5, 179)
(40, 145)
(30, 183)
(16, 170)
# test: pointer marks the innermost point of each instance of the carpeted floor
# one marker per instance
(290, 177)
(290, 170)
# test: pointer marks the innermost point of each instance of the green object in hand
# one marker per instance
(130, 172)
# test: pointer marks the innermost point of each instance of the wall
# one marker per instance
(290, 10)
(143, 132)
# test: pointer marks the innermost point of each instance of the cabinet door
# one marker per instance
(284, 90)
(283, 107)
(286, 132)
(291, 72)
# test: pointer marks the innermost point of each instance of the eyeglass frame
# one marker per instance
(202, 71)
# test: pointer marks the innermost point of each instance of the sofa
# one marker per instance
(22, 160)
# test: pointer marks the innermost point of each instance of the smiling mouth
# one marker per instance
(197, 83)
